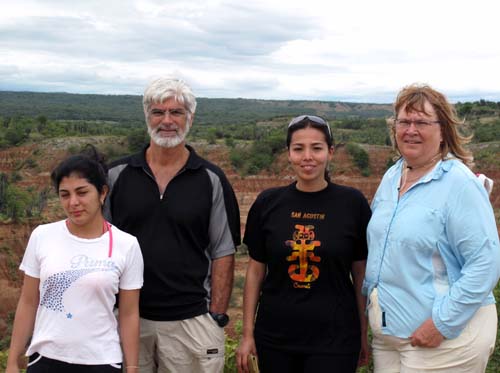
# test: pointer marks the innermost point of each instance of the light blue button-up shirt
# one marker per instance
(432, 252)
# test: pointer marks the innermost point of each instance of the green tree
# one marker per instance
(137, 139)
(16, 202)
(464, 109)
(212, 136)
(4, 183)
(14, 135)
(42, 122)
(237, 158)
(360, 158)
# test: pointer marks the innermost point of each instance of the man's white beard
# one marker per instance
(167, 142)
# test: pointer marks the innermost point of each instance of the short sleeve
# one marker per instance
(253, 232)
(361, 249)
(220, 224)
(132, 276)
(30, 264)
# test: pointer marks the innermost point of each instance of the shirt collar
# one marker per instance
(437, 173)
(139, 159)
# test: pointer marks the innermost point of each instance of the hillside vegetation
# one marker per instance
(128, 109)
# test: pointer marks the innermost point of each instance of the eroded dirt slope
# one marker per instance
(33, 163)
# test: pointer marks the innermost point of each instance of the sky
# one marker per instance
(349, 50)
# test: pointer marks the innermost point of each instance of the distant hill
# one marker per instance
(210, 111)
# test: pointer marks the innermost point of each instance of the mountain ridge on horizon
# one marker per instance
(210, 111)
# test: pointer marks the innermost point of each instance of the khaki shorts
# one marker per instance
(183, 346)
(467, 353)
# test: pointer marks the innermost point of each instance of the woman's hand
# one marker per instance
(427, 335)
(364, 354)
(247, 347)
(253, 285)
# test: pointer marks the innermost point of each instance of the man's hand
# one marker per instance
(426, 335)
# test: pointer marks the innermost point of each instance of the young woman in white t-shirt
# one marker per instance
(73, 270)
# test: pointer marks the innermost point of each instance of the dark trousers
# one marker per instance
(272, 361)
(38, 364)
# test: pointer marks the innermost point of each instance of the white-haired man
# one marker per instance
(185, 215)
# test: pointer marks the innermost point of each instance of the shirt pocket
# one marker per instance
(419, 228)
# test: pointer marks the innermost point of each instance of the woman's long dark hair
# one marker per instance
(89, 164)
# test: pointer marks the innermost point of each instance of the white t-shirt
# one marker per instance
(78, 283)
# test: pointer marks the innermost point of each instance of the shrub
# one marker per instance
(236, 158)
(486, 132)
(212, 136)
(230, 349)
(31, 163)
(259, 156)
(360, 158)
(73, 149)
(137, 139)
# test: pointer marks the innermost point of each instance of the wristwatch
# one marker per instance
(222, 319)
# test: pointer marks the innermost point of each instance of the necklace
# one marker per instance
(407, 182)
(431, 161)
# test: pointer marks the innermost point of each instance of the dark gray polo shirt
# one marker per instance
(180, 232)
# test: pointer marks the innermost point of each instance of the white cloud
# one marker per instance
(359, 50)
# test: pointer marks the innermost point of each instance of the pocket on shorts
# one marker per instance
(374, 313)
(210, 338)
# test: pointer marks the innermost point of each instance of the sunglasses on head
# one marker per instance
(310, 118)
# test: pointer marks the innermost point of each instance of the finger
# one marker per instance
(244, 363)
(239, 362)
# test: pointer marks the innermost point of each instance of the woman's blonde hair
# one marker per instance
(413, 98)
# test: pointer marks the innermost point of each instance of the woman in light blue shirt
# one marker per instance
(434, 253)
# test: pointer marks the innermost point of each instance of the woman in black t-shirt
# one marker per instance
(307, 246)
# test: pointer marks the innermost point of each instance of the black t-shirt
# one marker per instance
(308, 242)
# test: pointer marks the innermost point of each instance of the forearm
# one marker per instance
(129, 333)
(22, 330)
(24, 321)
(253, 285)
(222, 283)
(450, 315)
(128, 319)
(358, 274)
(363, 319)
(453, 311)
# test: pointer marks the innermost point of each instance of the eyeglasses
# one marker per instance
(419, 124)
(310, 118)
(176, 113)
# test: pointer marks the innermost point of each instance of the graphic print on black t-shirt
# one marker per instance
(303, 271)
